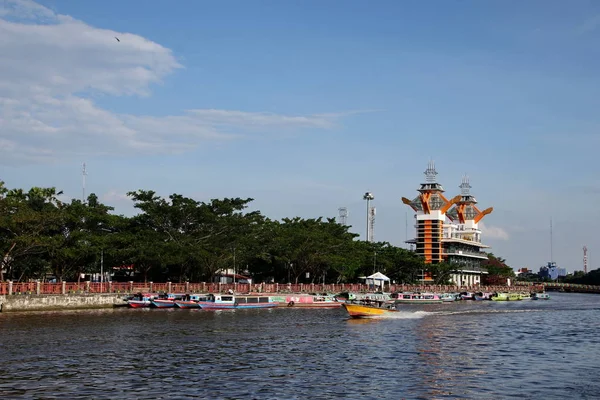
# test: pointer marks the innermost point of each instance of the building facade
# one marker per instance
(448, 230)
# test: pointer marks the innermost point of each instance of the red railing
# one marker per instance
(17, 288)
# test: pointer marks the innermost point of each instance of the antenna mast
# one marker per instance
(83, 174)
(372, 225)
(585, 259)
(343, 216)
(551, 253)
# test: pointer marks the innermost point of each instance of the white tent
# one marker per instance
(377, 279)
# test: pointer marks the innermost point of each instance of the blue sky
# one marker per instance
(305, 105)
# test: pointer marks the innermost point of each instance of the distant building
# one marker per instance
(521, 271)
(229, 276)
(447, 230)
(552, 271)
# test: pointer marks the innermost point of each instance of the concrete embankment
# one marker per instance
(51, 302)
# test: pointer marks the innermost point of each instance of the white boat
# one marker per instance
(449, 297)
(416, 298)
(540, 296)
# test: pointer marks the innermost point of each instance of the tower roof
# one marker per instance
(465, 209)
(430, 184)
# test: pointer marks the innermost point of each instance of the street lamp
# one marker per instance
(368, 196)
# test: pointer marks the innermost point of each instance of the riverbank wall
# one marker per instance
(50, 302)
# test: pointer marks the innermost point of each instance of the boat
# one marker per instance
(167, 301)
(306, 300)
(467, 296)
(540, 296)
(416, 298)
(230, 302)
(191, 301)
(506, 297)
(483, 296)
(357, 297)
(140, 300)
(449, 297)
(357, 310)
(526, 296)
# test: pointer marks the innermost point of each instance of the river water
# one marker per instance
(465, 350)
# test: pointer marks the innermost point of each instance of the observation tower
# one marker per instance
(430, 206)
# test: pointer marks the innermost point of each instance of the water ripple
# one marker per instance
(450, 351)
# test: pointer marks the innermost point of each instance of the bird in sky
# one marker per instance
(117, 39)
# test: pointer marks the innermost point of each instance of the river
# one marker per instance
(465, 350)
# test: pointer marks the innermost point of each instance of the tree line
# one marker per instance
(182, 239)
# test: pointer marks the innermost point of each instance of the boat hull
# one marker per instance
(187, 304)
(362, 311)
(225, 306)
(163, 303)
(138, 303)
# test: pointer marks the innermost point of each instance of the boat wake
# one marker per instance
(483, 311)
(406, 315)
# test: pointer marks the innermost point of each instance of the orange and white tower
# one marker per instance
(430, 206)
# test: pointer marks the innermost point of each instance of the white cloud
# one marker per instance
(493, 232)
(53, 66)
(114, 196)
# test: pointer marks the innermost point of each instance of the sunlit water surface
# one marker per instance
(480, 350)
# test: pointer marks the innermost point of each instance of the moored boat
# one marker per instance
(230, 302)
(540, 296)
(140, 300)
(191, 301)
(506, 297)
(368, 311)
(416, 298)
(467, 296)
(306, 300)
(483, 296)
(449, 297)
(167, 301)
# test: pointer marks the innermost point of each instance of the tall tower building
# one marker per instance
(430, 206)
(462, 237)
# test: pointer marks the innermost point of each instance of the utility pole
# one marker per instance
(585, 259)
(102, 271)
(83, 174)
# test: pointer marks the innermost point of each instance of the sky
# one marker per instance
(306, 105)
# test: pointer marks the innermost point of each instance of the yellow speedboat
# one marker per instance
(366, 311)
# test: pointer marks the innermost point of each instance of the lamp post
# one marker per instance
(368, 196)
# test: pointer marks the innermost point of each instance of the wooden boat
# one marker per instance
(540, 296)
(191, 301)
(140, 300)
(368, 311)
(167, 301)
(306, 300)
(229, 302)
(416, 298)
